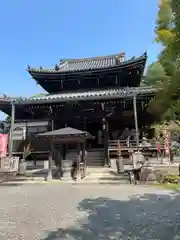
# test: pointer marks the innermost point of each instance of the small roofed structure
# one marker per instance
(66, 135)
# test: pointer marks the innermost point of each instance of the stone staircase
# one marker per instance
(96, 173)
(103, 175)
(95, 157)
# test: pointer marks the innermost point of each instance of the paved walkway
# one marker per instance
(64, 211)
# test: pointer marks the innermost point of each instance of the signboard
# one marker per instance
(3, 144)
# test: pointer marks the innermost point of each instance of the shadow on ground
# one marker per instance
(148, 216)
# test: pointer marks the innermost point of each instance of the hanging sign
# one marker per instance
(3, 144)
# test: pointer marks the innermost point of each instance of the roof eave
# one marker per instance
(84, 98)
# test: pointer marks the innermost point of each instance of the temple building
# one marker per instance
(100, 95)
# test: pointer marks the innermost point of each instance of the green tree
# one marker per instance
(154, 74)
(166, 104)
(8, 119)
(38, 95)
(164, 29)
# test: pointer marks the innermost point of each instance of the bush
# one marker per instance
(171, 179)
(160, 175)
(164, 177)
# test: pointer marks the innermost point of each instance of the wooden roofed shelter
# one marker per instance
(65, 136)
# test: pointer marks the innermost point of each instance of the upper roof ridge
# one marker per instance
(122, 54)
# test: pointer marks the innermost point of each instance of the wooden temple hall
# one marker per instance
(100, 95)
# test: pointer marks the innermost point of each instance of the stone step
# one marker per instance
(103, 181)
(95, 163)
(105, 176)
(106, 180)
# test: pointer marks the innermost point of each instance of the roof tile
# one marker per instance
(71, 65)
(89, 95)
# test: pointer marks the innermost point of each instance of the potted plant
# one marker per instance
(23, 165)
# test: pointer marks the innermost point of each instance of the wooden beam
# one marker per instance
(49, 176)
(78, 162)
(136, 121)
(106, 136)
(10, 144)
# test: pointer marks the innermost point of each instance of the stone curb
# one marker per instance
(66, 182)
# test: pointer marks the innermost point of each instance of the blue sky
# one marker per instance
(41, 32)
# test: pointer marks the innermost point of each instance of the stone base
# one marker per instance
(46, 164)
(49, 177)
(22, 168)
(114, 165)
(67, 174)
(147, 174)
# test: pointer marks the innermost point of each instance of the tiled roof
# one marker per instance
(67, 134)
(5, 99)
(71, 65)
(90, 95)
(64, 132)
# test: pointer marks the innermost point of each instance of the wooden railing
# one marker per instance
(125, 145)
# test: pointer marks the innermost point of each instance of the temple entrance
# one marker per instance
(95, 128)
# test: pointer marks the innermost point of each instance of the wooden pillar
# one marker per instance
(84, 124)
(84, 158)
(78, 162)
(10, 142)
(136, 120)
(106, 138)
(59, 160)
(64, 148)
(52, 125)
(49, 177)
(85, 129)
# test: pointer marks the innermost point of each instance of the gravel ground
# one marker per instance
(64, 211)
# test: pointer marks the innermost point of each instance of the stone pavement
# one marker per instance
(64, 211)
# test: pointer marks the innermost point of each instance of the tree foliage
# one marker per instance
(8, 119)
(154, 75)
(173, 127)
(164, 23)
(38, 95)
(166, 104)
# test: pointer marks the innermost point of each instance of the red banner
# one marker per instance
(3, 144)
